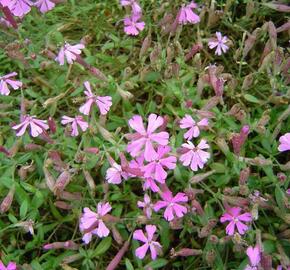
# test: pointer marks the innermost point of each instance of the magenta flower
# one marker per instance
(148, 183)
(104, 103)
(284, 143)
(69, 52)
(186, 15)
(219, 43)
(133, 4)
(75, 122)
(194, 128)
(173, 208)
(146, 205)
(36, 126)
(7, 80)
(145, 138)
(254, 255)
(115, 174)
(92, 223)
(155, 169)
(235, 220)
(44, 5)
(194, 155)
(132, 25)
(19, 8)
(154, 246)
(10, 266)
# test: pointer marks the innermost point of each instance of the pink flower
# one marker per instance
(254, 255)
(239, 139)
(154, 246)
(92, 223)
(44, 5)
(133, 4)
(69, 52)
(19, 8)
(194, 128)
(75, 122)
(155, 169)
(132, 26)
(194, 155)
(145, 138)
(36, 126)
(10, 266)
(172, 205)
(6, 80)
(284, 143)
(146, 205)
(186, 15)
(219, 43)
(104, 103)
(233, 216)
(115, 174)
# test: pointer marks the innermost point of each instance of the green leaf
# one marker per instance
(251, 98)
(157, 264)
(128, 264)
(23, 209)
(103, 246)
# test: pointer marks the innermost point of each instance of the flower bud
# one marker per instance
(185, 252)
(62, 205)
(62, 245)
(90, 181)
(210, 257)
(244, 176)
(7, 201)
(145, 45)
(61, 182)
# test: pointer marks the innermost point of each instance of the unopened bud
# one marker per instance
(61, 182)
(210, 257)
(70, 196)
(62, 205)
(185, 252)
(90, 180)
(244, 176)
(62, 245)
(6, 203)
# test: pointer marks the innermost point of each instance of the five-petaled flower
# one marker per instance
(186, 15)
(8, 80)
(115, 173)
(284, 143)
(172, 204)
(235, 219)
(103, 102)
(145, 138)
(194, 156)
(10, 266)
(69, 52)
(254, 255)
(136, 9)
(37, 126)
(146, 205)
(194, 127)
(155, 168)
(219, 43)
(44, 5)
(92, 223)
(132, 25)
(148, 241)
(19, 8)
(75, 122)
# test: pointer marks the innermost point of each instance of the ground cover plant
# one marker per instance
(144, 134)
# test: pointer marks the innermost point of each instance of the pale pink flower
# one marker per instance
(284, 142)
(146, 205)
(194, 156)
(194, 127)
(7, 80)
(103, 102)
(92, 223)
(136, 9)
(44, 5)
(10, 266)
(19, 8)
(115, 174)
(235, 219)
(5, 3)
(254, 255)
(148, 183)
(144, 139)
(219, 43)
(36, 126)
(147, 239)
(186, 15)
(132, 25)
(69, 52)
(172, 204)
(75, 122)
(155, 169)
